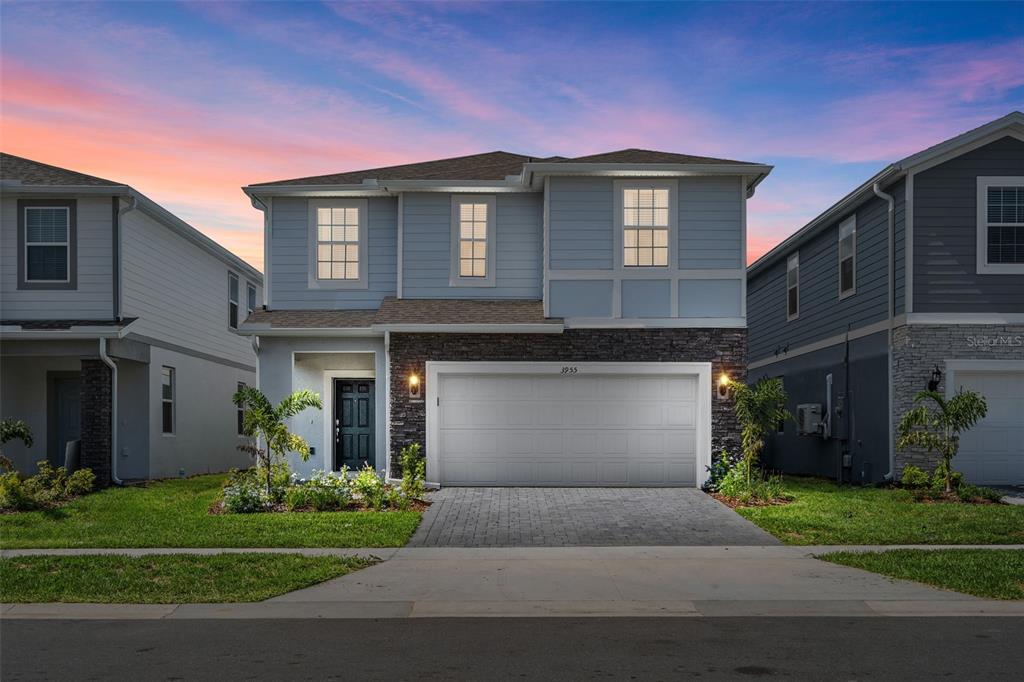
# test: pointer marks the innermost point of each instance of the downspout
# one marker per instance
(892, 310)
(113, 410)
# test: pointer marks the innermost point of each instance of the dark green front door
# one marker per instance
(354, 434)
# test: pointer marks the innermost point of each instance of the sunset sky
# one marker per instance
(188, 102)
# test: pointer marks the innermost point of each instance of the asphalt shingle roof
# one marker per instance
(31, 172)
(313, 319)
(489, 166)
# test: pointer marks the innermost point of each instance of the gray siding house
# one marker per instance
(116, 328)
(917, 275)
(530, 321)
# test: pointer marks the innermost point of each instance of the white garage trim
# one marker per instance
(702, 370)
(977, 366)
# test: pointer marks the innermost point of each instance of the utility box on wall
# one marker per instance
(808, 419)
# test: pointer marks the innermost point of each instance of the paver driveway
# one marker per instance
(588, 517)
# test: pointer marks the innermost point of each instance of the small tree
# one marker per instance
(9, 430)
(937, 428)
(263, 421)
(759, 408)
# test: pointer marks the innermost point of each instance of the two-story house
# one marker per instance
(913, 280)
(530, 321)
(116, 328)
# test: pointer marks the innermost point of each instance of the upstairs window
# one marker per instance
(793, 286)
(250, 299)
(337, 243)
(167, 389)
(46, 244)
(473, 239)
(240, 413)
(645, 222)
(1000, 225)
(847, 256)
(233, 300)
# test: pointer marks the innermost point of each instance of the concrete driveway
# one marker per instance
(588, 517)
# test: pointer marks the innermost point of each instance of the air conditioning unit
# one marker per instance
(808, 419)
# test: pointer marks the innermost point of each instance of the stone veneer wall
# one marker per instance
(725, 348)
(95, 418)
(917, 349)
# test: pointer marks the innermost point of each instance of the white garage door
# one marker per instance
(993, 451)
(586, 428)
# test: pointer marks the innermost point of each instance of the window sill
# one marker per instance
(1000, 268)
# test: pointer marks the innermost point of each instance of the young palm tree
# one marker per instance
(263, 421)
(937, 428)
(759, 408)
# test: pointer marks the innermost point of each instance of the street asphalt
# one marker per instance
(515, 648)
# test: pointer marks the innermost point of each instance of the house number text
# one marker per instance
(570, 370)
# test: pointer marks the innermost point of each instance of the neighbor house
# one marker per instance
(914, 279)
(530, 321)
(117, 328)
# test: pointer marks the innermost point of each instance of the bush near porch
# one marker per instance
(175, 513)
(825, 513)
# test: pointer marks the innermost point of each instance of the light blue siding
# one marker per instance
(580, 298)
(647, 298)
(822, 314)
(710, 298)
(427, 250)
(289, 258)
(580, 223)
(710, 223)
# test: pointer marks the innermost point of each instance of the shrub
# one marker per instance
(370, 487)
(968, 493)
(414, 471)
(741, 485)
(717, 471)
(914, 478)
(47, 487)
(946, 480)
(244, 493)
(395, 498)
(323, 492)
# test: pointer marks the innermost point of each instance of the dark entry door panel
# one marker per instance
(354, 423)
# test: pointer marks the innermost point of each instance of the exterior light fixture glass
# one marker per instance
(933, 383)
(723, 386)
(414, 386)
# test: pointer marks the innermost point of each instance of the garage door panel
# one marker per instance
(568, 430)
(993, 451)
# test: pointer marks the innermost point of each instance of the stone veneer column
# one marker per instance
(726, 349)
(95, 417)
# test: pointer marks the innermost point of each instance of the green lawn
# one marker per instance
(173, 513)
(166, 579)
(824, 513)
(993, 573)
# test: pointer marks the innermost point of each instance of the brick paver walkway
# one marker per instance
(594, 517)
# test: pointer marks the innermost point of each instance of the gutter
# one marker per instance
(876, 188)
(113, 410)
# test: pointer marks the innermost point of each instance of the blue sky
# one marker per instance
(189, 101)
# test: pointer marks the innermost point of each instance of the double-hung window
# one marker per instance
(1000, 225)
(233, 300)
(240, 413)
(645, 224)
(473, 239)
(847, 257)
(250, 299)
(167, 391)
(338, 244)
(46, 244)
(793, 286)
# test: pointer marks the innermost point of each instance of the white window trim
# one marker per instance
(454, 278)
(232, 277)
(315, 282)
(172, 400)
(839, 241)
(249, 286)
(66, 244)
(793, 258)
(984, 267)
(619, 187)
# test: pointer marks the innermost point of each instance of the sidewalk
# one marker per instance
(572, 581)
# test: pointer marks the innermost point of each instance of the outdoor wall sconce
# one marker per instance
(723, 386)
(933, 383)
(414, 386)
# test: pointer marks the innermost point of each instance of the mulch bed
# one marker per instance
(217, 508)
(734, 503)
